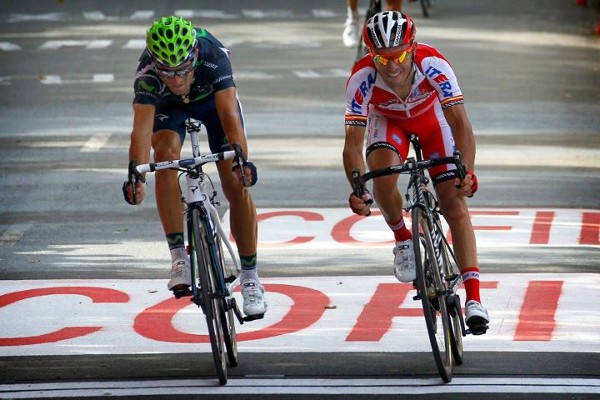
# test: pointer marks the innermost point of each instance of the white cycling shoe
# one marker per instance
(476, 317)
(180, 277)
(253, 294)
(351, 33)
(404, 261)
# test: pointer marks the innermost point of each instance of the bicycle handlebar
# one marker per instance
(410, 165)
(185, 163)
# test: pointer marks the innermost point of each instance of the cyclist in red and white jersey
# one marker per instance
(403, 87)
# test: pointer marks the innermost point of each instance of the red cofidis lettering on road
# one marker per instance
(303, 215)
(308, 307)
(96, 294)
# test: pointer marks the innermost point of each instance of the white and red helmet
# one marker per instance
(389, 29)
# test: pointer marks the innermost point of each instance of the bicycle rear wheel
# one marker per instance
(374, 8)
(210, 301)
(432, 294)
(425, 4)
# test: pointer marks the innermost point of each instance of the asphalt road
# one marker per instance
(530, 72)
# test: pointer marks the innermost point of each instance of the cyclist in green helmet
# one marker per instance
(185, 72)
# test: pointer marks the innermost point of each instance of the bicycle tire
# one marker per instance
(431, 290)
(451, 272)
(374, 8)
(210, 301)
(425, 4)
(227, 313)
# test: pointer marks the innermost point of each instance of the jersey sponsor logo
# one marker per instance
(146, 87)
(201, 32)
(211, 65)
(361, 92)
(444, 83)
(222, 78)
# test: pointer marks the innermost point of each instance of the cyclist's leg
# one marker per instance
(351, 34)
(387, 145)
(166, 142)
(393, 5)
(456, 212)
(242, 218)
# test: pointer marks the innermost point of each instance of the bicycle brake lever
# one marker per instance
(460, 167)
(357, 186)
(133, 177)
(240, 160)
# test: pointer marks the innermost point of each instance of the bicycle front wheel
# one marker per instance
(432, 293)
(210, 300)
(226, 310)
(452, 279)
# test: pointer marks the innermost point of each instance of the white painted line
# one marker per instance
(13, 234)
(98, 44)
(216, 14)
(8, 46)
(103, 78)
(321, 13)
(57, 44)
(50, 79)
(95, 143)
(142, 15)
(268, 386)
(137, 44)
(58, 16)
(307, 74)
(261, 14)
(94, 15)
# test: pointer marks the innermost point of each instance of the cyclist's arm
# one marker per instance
(229, 115)
(141, 134)
(353, 150)
(462, 131)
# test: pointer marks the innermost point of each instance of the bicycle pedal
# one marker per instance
(181, 291)
(249, 318)
(477, 326)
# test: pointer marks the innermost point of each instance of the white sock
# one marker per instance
(352, 15)
(249, 274)
(178, 252)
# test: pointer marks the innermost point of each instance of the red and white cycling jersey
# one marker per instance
(392, 119)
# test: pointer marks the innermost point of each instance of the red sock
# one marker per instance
(470, 278)
(401, 232)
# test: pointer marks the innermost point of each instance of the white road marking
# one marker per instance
(94, 15)
(8, 46)
(95, 143)
(142, 15)
(58, 16)
(57, 79)
(88, 44)
(13, 234)
(288, 385)
(217, 14)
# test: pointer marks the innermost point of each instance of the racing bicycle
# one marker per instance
(438, 276)
(213, 280)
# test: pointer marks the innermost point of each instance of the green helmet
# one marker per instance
(171, 40)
